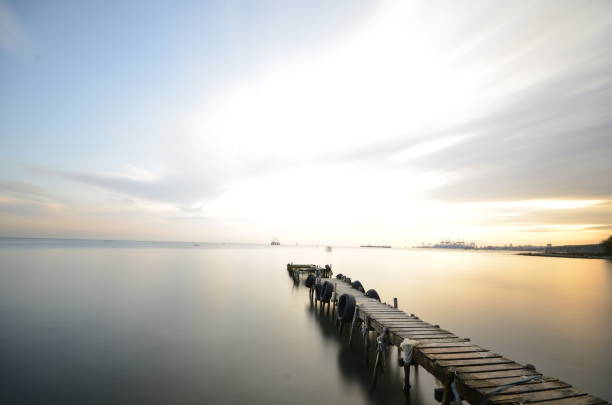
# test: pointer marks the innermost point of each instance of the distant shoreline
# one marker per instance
(565, 255)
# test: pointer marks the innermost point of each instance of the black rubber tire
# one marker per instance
(328, 290)
(372, 294)
(339, 275)
(318, 290)
(357, 286)
(346, 307)
(310, 280)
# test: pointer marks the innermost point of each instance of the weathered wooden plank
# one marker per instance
(442, 341)
(459, 342)
(420, 336)
(449, 350)
(523, 388)
(377, 306)
(407, 321)
(496, 382)
(464, 372)
(539, 396)
(483, 395)
(395, 322)
(473, 362)
(424, 331)
(389, 324)
(435, 333)
(417, 326)
(582, 400)
(461, 356)
(383, 312)
(502, 374)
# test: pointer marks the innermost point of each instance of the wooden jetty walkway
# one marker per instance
(467, 371)
(297, 269)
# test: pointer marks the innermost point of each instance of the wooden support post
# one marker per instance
(448, 394)
(355, 314)
(394, 302)
(375, 372)
(366, 339)
(379, 362)
(335, 296)
(407, 380)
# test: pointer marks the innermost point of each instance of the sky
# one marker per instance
(344, 123)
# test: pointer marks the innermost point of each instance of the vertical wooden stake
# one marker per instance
(446, 398)
(407, 380)
(355, 314)
(375, 373)
(366, 339)
(335, 296)
(394, 302)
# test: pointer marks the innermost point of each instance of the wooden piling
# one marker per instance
(355, 316)
(406, 367)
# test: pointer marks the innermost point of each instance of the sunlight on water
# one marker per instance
(174, 323)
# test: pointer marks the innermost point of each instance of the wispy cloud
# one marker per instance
(27, 190)
(179, 188)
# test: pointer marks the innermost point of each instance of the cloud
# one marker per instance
(601, 227)
(10, 207)
(543, 129)
(27, 190)
(178, 188)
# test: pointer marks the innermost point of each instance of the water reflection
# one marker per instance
(357, 371)
(209, 324)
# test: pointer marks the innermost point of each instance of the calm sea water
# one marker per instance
(92, 322)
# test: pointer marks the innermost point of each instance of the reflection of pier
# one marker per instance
(354, 373)
(467, 371)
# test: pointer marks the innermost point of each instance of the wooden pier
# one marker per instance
(295, 270)
(467, 371)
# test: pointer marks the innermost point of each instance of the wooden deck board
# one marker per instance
(582, 400)
(539, 396)
(497, 382)
(461, 356)
(452, 350)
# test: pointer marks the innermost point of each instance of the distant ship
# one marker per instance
(275, 242)
(328, 248)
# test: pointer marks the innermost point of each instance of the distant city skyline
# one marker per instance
(341, 123)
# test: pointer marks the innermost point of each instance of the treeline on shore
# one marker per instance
(603, 249)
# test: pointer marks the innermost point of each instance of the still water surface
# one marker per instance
(92, 322)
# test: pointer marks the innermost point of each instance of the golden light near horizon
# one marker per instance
(410, 122)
